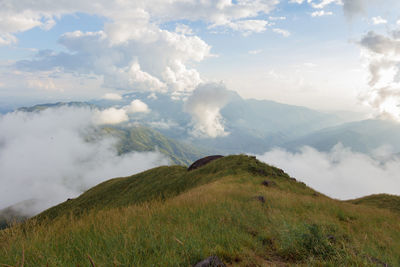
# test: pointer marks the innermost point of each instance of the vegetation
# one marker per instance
(140, 138)
(169, 216)
(383, 201)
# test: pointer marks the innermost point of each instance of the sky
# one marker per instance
(323, 54)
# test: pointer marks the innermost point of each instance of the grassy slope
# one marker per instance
(170, 217)
(383, 201)
(141, 138)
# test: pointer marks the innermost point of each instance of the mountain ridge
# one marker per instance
(242, 210)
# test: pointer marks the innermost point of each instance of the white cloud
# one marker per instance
(321, 13)
(282, 32)
(277, 18)
(112, 96)
(297, 1)
(110, 116)
(24, 15)
(382, 56)
(204, 105)
(339, 173)
(183, 29)
(57, 154)
(324, 3)
(248, 26)
(137, 106)
(378, 20)
(133, 52)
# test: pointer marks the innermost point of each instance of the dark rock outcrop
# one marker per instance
(268, 183)
(203, 161)
(260, 198)
(212, 261)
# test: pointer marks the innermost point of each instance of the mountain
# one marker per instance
(254, 126)
(16, 213)
(237, 208)
(140, 138)
(40, 107)
(363, 136)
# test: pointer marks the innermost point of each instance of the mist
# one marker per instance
(339, 173)
(55, 154)
(204, 105)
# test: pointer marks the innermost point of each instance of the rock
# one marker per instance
(203, 161)
(261, 199)
(212, 261)
(268, 183)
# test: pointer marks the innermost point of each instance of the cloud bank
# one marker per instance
(57, 153)
(339, 173)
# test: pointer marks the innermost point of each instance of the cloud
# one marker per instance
(57, 153)
(110, 116)
(112, 96)
(297, 1)
(353, 8)
(382, 56)
(24, 15)
(248, 27)
(134, 51)
(324, 3)
(321, 13)
(204, 106)
(378, 20)
(277, 18)
(339, 173)
(183, 29)
(282, 32)
(137, 106)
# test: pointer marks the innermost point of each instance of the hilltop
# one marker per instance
(243, 211)
(383, 201)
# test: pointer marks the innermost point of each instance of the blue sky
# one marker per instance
(302, 52)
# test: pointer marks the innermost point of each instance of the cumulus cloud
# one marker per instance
(133, 52)
(112, 96)
(378, 20)
(382, 56)
(353, 8)
(204, 106)
(137, 106)
(110, 116)
(55, 154)
(339, 173)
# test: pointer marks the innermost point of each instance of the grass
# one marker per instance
(383, 201)
(182, 217)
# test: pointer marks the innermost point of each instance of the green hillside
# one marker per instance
(384, 201)
(169, 216)
(140, 138)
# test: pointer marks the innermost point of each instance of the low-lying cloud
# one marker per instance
(339, 173)
(57, 153)
(204, 105)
